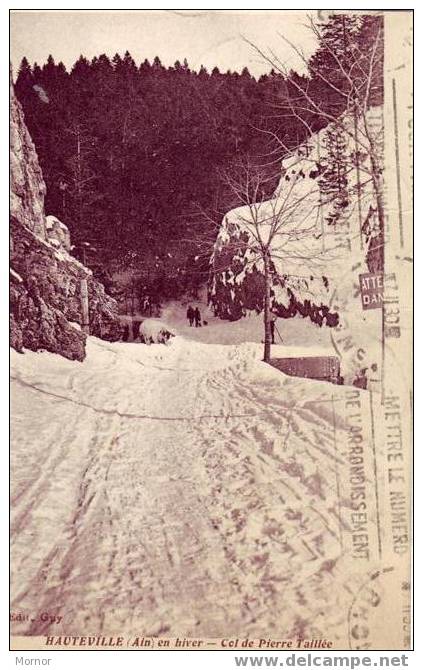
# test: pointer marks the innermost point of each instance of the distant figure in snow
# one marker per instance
(190, 315)
(147, 307)
(197, 317)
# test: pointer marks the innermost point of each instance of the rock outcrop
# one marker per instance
(46, 281)
(27, 184)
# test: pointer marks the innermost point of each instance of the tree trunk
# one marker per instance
(84, 307)
(376, 173)
(266, 311)
(358, 176)
(377, 184)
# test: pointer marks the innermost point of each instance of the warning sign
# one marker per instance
(371, 287)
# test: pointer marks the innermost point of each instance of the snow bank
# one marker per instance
(154, 331)
(201, 468)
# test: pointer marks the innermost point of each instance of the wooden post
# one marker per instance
(84, 307)
(266, 310)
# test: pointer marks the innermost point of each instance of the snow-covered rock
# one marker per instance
(327, 234)
(58, 233)
(154, 331)
(319, 229)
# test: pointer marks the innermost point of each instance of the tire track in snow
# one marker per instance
(125, 415)
(207, 524)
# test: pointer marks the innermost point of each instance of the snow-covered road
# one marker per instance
(181, 490)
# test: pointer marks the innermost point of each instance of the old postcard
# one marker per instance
(211, 329)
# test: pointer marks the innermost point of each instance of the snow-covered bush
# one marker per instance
(154, 331)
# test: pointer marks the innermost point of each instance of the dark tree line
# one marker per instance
(130, 154)
(127, 151)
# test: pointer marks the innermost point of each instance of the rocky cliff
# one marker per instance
(46, 281)
(27, 184)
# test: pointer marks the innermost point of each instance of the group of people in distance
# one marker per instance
(194, 316)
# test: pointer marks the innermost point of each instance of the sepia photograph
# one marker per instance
(211, 258)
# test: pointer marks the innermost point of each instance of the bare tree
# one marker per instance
(268, 232)
(357, 86)
(79, 180)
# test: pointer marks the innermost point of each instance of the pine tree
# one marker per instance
(152, 142)
(117, 61)
(80, 176)
(157, 65)
(36, 71)
(25, 78)
(333, 183)
(145, 66)
(49, 68)
(330, 66)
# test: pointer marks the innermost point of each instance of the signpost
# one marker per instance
(371, 289)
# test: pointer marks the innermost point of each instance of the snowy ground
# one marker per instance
(187, 489)
(296, 333)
